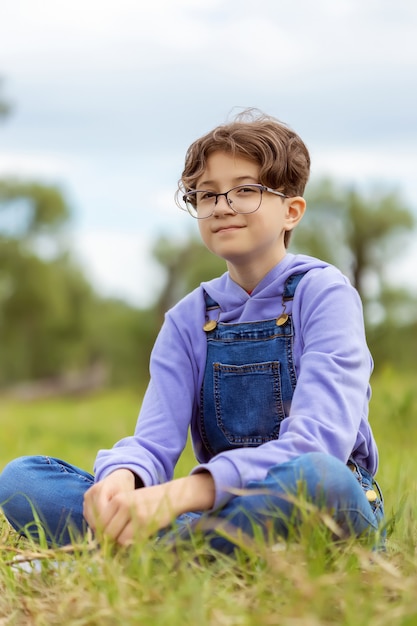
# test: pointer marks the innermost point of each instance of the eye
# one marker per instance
(206, 195)
(246, 189)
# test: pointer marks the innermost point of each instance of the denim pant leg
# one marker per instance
(325, 481)
(48, 489)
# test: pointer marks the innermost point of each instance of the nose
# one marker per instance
(221, 206)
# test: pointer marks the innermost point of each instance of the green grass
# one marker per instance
(309, 583)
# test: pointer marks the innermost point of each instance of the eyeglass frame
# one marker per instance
(262, 188)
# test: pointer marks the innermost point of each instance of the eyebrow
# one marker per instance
(236, 180)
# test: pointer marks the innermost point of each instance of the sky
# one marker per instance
(108, 94)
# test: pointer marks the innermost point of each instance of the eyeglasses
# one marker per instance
(241, 199)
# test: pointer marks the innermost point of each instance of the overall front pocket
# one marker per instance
(248, 402)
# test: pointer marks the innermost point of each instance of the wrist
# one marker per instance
(193, 493)
(126, 476)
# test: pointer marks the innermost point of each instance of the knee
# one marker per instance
(323, 475)
(17, 475)
(324, 466)
(308, 465)
(329, 481)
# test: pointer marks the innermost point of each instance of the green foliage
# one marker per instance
(122, 337)
(43, 302)
(43, 207)
(42, 315)
(394, 345)
(51, 321)
(359, 234)
(186, 264)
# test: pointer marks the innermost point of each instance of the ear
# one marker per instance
(294, 211)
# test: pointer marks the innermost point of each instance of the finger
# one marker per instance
(89, 509)
(135, 531)
(127, 535)
(94, 505)
(95, 502)
(115, 517)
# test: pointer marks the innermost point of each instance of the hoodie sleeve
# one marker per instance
(330, 403)
(169, 402)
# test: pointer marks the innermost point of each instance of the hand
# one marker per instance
(126, 514)
(100, 494)
(138, 514)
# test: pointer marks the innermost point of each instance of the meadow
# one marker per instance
(311, 582)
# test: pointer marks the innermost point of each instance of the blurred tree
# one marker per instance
(30, 209)
(51, 321)
(360, 235)
(44, 298)
(43, 306)
(123, 337)
(187, 264)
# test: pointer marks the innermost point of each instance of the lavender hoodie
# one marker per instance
(329, 410)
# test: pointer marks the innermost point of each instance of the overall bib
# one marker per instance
(249, 379)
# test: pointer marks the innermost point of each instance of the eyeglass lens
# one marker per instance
(242, 199)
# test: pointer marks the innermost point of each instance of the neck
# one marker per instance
(249, 277)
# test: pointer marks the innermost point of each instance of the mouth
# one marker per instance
(225, 229)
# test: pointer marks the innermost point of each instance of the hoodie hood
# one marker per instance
(237, 305)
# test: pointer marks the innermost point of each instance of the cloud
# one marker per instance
(33, 164)
(119, 265)
(369, 167)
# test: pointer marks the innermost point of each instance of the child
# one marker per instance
(267, 365)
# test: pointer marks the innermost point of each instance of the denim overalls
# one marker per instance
(247, 390)
(249, 379)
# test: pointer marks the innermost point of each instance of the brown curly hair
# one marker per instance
(282, 156)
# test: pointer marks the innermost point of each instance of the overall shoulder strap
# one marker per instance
(210, 303)
(291, 285)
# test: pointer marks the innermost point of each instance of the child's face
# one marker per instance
(251, 243)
